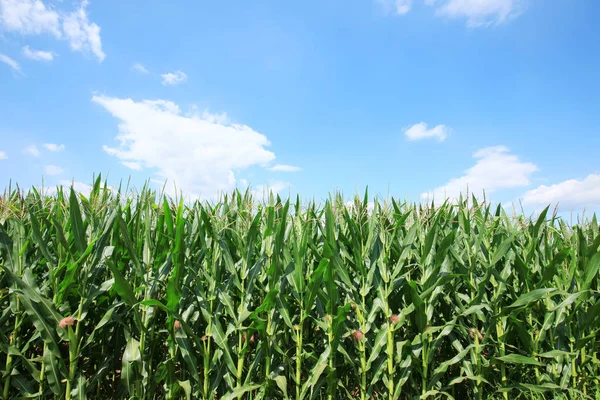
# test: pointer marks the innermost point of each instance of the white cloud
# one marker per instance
(134, 165)
(173, 78)
(496, 168)
(37, 55)
(572, 194)
(10, 62)
(403, 6)
(80, 187)
(3, 155)
(54, 147)
(351, 205)
(82, 34)
(197, 154)
(66, 185)
(285, 168)
(479, 12)
(140, 68)
(262, 192)
(28, 17)
(33, 17)
(399, 7)
(32, 150)
(216, 118)
(52, 170)
(419, 131)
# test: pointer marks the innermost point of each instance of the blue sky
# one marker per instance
(412, 98)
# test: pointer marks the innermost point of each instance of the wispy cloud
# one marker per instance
(82, 34)
(32, 150)
(37, 55)
(419, 132)
(173, 78)
(54, 147)
(399, 7)
(29, 17)
(139, 68)
(478, 12)
(52, 170)
(284, 168)
(134, 165)
(10, 62)
(34, 17)
(3, 155)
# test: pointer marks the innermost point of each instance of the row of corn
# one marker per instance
(140, 296)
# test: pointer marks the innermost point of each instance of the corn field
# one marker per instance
(141, 296)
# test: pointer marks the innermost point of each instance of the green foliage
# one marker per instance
(141, 297)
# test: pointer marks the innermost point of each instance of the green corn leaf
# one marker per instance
(518, 359)
(187, 389)
(54, 374)
(556, 354)
(122, 286)
(591, 271)
(37, 236)
(131, 361)
(443, 248)
(539, 222)
(501, 251)
(128, 244)
(240, 391)
(26, 388)
(79, 392)
(315, 373)
(221, 341)
(188, 354)
(419, 315)
(531, 297)
(282, 384)
(77, 223)
(429, 238)
(378, 345)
